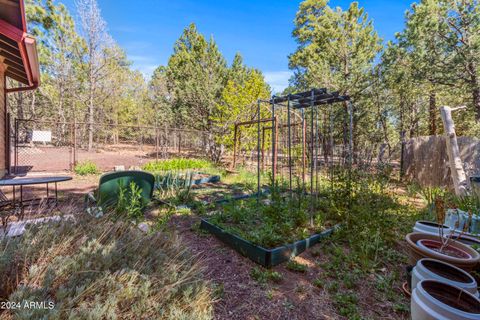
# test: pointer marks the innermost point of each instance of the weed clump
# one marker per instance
(86, 168)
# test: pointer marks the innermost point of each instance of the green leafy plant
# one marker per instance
(347, 303)
(174, 186)
(176, 164)
(130, 202)
(263, 276)
(275, 220)
(319, 282)
(293, 265)
(468, 203)
(86, 168)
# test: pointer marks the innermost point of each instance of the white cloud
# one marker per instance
(146, 69)
(278, 80)
(146, 65)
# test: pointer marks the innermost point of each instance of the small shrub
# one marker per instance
(293, 265)
(273, 222)
(130, 202)
(176, 164)
(346, 304)
(85, 168)
(269, 294)
(332, 286)
(319, 283)
(264, 276)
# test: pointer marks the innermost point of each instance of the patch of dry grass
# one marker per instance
(99, 269)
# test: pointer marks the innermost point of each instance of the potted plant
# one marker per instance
(435, 300)
(442, 247)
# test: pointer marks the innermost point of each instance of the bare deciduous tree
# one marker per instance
(94, 30)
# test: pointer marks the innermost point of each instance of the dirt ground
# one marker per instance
(51, 159)
(237, 294)
(241, 297)
(48, 159)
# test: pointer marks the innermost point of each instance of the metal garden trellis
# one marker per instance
(305, 106)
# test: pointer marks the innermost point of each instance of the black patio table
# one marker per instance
(21, 182)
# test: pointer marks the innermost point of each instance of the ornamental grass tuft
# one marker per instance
(100, 269)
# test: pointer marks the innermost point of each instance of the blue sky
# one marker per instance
(260, 30)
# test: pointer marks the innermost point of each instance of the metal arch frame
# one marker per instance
(302, 100)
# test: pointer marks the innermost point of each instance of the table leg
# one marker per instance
(56, 195)
(21, 203)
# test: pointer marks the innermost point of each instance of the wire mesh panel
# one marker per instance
(133, 146)
(49, 146)
(42, 146)
(305, 143)
(313, 138)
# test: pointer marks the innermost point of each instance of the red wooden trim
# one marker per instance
(24, 20)
(11, 32)
(26, 64)
(31, 50)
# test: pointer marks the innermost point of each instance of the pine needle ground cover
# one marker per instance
(99, 269)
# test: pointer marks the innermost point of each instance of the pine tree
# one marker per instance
(336, 50)
(197, 73)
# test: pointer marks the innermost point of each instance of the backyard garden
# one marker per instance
(178, 269)
(205, 192)
(300, 225)
(210, 244)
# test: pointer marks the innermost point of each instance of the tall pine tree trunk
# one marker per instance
(475, 89)
(90, 122)
(90, 106)
(476, 101)
(432, 108)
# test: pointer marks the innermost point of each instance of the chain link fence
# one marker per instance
(54, 146)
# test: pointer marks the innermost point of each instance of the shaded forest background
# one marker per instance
(396, 87)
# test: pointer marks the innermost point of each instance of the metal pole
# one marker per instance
(350, 147)
(350, 142)
(263, 148)
(156, 141)
(74, 142)
(312, 145)
(312, 164)
(304, 146)
(274, 143)
(15, 156)
(402, 154)
(317, 143)
(275, 154)
(289, 142)
(179, 142)
(234, 146)
(8, 141)
(258, 150)
(332, 147)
